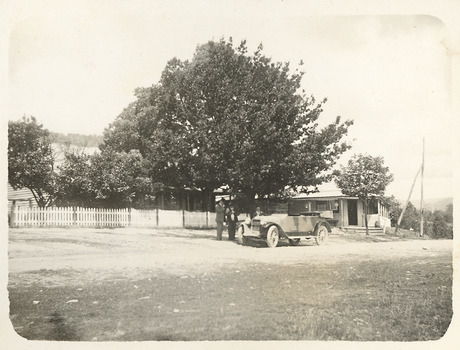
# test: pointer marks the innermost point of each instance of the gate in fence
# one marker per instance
(95, 217)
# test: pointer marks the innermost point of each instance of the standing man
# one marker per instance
(220, 217)
(232, 218)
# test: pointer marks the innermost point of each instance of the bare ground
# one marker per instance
(147, 278)
(179, 251)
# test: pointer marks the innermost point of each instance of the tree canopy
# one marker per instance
(73, 180)
(227, 118)
(30, 159)
(364, 176)
(108, 179)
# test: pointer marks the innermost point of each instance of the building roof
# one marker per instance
(324, 195)
(327, 191)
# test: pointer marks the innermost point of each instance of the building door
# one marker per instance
(352, 212)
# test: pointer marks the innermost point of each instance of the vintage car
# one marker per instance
(299, 223)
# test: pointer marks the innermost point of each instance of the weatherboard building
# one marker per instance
(347, 211)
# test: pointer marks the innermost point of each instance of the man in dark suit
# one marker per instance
(232, 219)
(220, 218)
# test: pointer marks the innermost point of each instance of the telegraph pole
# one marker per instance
(421, 193)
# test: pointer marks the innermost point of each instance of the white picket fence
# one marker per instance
(94, 217)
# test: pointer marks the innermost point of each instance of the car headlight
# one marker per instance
(263, 223)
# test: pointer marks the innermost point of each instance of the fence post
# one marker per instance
(75, 215)
(183, 218)
(157, 217)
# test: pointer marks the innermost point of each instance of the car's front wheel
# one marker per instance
(322, 234)
(273, 237)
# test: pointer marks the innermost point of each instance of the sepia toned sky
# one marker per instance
(74, 65)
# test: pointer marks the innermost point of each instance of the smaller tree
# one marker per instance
(411, 218)
(30, 159)
(440, 227)
(118, 178)
(364, 177)
(108, 179)
(73, 185)
(394, 208)
(449, 213)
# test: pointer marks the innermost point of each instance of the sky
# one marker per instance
(74, 66)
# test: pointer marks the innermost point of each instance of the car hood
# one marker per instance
(275, 218)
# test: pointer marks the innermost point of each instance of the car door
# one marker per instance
(299, 225)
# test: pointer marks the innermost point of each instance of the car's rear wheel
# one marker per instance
(273, 237)
(239, 236)
(322, 234)
(294, 242)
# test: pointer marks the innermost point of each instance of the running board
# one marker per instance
(299, 237)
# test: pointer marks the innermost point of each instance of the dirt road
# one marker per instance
(121, 284)
(180, 251)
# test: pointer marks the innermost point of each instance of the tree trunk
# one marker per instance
(250, 200)
(208, 200)
(39, 199)
(365, 215)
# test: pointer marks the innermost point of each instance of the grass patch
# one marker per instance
(398, 300)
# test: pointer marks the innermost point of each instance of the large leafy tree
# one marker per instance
(30, 159)
(364, 176)
(227, 118)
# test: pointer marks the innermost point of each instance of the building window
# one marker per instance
(322, 206)
(335, 206)
(373, 207)
(332, 205)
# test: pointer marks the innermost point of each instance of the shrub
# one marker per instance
(440, 227)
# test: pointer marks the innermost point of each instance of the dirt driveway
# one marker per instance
(180, 251)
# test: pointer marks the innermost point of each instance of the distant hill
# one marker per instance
(79, 140)
(433, 203)
(60, 143)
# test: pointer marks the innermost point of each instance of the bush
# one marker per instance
(440, 227)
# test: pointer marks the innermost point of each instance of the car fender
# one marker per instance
(244, 225)
(325, 223)
(269, 224)
(265, 227)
